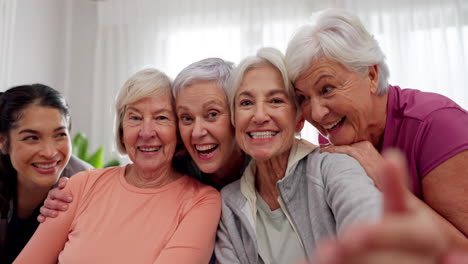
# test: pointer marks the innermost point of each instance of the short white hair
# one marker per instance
(264, 56)
(210, 69)
(340, 36)
(145, 83)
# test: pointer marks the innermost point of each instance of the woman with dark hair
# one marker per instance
(35, 149)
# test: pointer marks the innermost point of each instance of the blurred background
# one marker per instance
(87, 48)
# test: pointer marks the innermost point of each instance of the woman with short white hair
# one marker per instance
(340, 76)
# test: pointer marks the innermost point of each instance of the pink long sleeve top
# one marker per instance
(111, 221)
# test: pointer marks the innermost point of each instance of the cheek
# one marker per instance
(185, 133)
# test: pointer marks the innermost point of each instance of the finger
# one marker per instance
(62, 182)
(395, 232)
(59, 194)
(455, 257)
(55, 205)
(390, 257)
(393, 182)
(47, 213)
(41, 218)
(328, 252)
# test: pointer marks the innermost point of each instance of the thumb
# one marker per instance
(394, 182)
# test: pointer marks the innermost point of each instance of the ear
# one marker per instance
(300, 123)
(373, 74)
(2, 144)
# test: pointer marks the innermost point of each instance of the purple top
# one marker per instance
(429, 128)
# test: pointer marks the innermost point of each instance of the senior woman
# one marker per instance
(340, 76)
(144, 212)
(290, 195)
(205, 123)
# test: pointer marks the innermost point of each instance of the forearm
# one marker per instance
(456, 238)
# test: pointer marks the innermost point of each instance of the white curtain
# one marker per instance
(425, 41)
(7, 26)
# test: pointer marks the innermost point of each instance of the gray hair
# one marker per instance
(210, 69)
(265, 56)
(340, 36)
(145, 83)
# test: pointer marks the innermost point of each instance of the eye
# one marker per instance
(30, 138)
(245, 102)
(134, 118)
(327, 89)
(161, 117)
(212, 114)
(185, 119)
(301, 98)
(277, 101)
(62, 134)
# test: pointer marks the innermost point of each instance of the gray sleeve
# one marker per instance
(349, 192)
(74, 166)
(224, 248)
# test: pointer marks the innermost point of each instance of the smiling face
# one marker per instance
(150, 133)
(205, 125)
(339, 102)
(265, 116)
(39, 146)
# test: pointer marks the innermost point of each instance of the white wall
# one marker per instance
(39, 43)
(54, 44)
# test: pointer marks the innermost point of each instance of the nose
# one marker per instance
(199, 129)
(318, 110)
(49, 150)
(147, 130)
(261, 114)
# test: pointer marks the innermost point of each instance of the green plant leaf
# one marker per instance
(112, 163)
(97, 159)
(80, 146)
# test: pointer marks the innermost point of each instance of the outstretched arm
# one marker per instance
(404, 235)
(443, 189)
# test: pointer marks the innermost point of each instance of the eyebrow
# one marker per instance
(32, 131)
(277, 91)
(214, 101)
(321, 77)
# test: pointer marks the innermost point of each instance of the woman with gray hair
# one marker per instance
(290, 195)
(144, 212)
(340, 76)
(204, 123)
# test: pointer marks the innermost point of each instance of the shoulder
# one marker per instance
(327, 160)
(89, 178)
(194, 189)
(419, 105)
(327, 167)
(74, 166)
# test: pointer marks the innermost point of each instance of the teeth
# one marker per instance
(332, 125)
(205, 147)
(263, 134)
(45, 166)
(149, 149)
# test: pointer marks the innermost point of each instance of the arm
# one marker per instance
(225, 252)
(349, 192)
(402, 236)
(194, 239)
(445, 190)
(57, 200)
(50, 237)
(364, 152)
